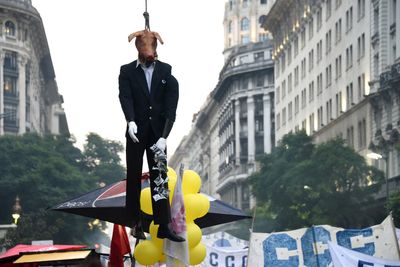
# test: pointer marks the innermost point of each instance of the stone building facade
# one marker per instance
(29, 98)
(236, 122)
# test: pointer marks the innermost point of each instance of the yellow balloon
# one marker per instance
(197, 254)
(204, 206)
(147, 253)
(145, 201)
(192, 207)
(193, 234)
(191, 182)
(153, 229)
(162, 258)
(171, 173)
(171, 182)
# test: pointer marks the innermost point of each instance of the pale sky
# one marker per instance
(88, 42)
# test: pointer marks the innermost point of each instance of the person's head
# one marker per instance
(146, 44)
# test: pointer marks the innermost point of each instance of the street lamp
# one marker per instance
(16, 210)
(385, 157)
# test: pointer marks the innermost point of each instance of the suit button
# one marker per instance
(150, 107)
(149, 118)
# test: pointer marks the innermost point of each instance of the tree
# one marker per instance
(301, 184)
(101, 156)
(43, 172)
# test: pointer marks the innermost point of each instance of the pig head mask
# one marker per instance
(146, 44)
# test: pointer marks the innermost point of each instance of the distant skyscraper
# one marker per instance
(29, 98)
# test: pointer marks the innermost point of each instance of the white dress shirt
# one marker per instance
(148, 72)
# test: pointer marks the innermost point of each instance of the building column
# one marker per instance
(2, 55)
(250, 129)
(239, 195)
(22, 94)
(237, 132)
(267, 123)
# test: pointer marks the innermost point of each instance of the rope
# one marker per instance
(146, 16)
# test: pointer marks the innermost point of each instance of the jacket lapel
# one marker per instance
(139, 73)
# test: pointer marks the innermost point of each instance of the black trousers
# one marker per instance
(134, 163)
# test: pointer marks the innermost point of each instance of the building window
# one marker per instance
(338, 3)
(319, 19)
(283, 89)
(11, 111)
(278, 121)
(10, 60)
(349, 95)
(244, 24)
(262, 37)
(260, 81)
(10, 85)
(362, 134)
(349, 57)
(244, 3)
(10, 29)
(245, 39)
(310, 29)
(244, 83)
(361, 9)
(263, 2)
(296, 75)
(328, 9)
(290, 82)
(320, 115)
(338, 31)
(230, 27)
(338, 67)
(303, 68)
(328, 41)
(312, 128)
(311, 91)
(328, 111)
(361, 46)
(296, 46)
(319, 51)
(349, 19)
(350, 136)
(328, 74)
(284, 116)
(303, 98)
(290, 111)
(303, 38)
(289, 54)
(319, 84)
(311, 60)
(296, 104)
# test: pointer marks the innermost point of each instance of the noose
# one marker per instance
(146, 16)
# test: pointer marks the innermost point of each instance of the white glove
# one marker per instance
(132, 130)
(162, 144)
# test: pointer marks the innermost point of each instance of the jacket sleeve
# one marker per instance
(171, 103)
(125, 95)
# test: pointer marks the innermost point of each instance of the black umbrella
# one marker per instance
(108, 204)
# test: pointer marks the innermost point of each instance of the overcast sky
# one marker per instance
(88, 44)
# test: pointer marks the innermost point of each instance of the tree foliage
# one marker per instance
(46, 171)
(301, 184)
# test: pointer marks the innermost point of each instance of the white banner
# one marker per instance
(309, 246)
(225, 258)
(344, 257)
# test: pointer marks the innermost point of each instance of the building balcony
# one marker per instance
(375, 38)
(11, 98)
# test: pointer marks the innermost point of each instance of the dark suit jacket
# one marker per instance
(148, 109)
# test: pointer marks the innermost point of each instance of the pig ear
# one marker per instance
(158, 37)
(135, 34)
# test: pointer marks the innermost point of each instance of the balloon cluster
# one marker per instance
(196, 204)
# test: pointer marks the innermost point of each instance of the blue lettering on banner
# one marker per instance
(321, 235)
(344, 240)
(271, 243)
(364, 263)
(213, 256)
(244, 260)
(230, 259)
